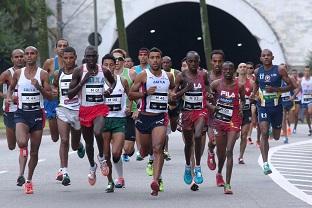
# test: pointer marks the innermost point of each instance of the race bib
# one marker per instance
(159, 101)
(307, 98)
(247, 104)
(224, 113)
(193, 100)
(113, 102)
(30, 101)
(94, 93)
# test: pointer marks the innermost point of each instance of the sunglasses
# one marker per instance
(119, 58)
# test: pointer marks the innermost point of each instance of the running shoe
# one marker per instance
(241, 161)
(194, 186)
(161, 185)
(198, 178)
(138, 156)
(92, 175)
(285, 140)
(288, 131)
(188, 175)
(155, 188)
(294, 131)
(149, 168)
(59, 176)
(167, 156)
(81, 151)
(120, 183)
(110, 187)
(219, 180)
(266, 169)
(28, 188)
(249, 140)
(125, 158)
(211, 162)
(66, 180)
(227, 189)
(103, 166)
(20, 181)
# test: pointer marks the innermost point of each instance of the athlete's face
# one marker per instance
(143, 57)
(250, 69)
(69, 59)
(306, 72)
(31, 56)
(266, 57)
(110, 64)
(154, 60)
(184, 66)
(120, 61)
(91, 58)
(166, 64)
(17, 58)
(60, 46)
(228, 71)
(294, 74)
(216, 62)
(192, 62)
(128, 63)
(242, 69)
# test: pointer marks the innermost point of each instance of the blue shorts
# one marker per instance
(8, 119)
(146, 123)
(273, 115)
(288, 105)
(49, 108)
(35, 120)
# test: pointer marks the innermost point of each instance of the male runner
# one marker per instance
(230, 99)
(67, 114)
(115, 123)
(32, 84)
(152, 87)
(297, 99)
(88, 82)
(270, 110)
(51, 65)
(128, 63)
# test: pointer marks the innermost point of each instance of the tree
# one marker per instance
(42, 31)
(122, 35)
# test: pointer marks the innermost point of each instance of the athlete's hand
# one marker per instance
(252, 96)
(35, 83)
(8, 100)
(151, 90)
(172, 96)
(85, 78)
(189, 86)
(128, 111)
(135, 115)
(209, 96)
(15, 99)
(270, 89)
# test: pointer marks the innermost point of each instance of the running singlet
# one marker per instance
(11, 107)
(157, 102)
(64, 101)
(138, 69)
(271, 78)
(29, 98)
(92, 92)
(56, 67)
(227, 103)
(116, 101)
(126, 75)
(248, 90)
(195, 98)
(286, 95)
(306, 86)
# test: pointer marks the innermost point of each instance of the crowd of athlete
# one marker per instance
(121, 105)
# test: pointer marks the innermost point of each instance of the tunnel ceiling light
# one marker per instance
(152, 31)
(199, 38)
(239, 44)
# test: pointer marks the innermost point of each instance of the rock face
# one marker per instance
(290, 21)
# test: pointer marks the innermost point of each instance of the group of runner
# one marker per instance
(121, 105)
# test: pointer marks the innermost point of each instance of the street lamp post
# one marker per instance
(96, 43)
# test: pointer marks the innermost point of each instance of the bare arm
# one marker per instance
(55, 85)
(45, 89)
(286, 78)
(76, 83)
(134, 93)
(13, 84)
(110, 78)
(4, 77)
(241, 97)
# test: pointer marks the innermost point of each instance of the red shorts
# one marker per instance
(226, 127)
(189, 118)
(88, 113)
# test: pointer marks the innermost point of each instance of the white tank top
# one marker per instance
(64, 101)
(92, 91)
(158, 102)
(11, 107)
(116, 101)
(306, 86)
(29, 98)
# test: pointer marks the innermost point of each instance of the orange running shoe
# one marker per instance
(219, 180)
(28, 187)
(155, 188)
(211, 162)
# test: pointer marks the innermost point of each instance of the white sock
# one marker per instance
(64, 170)
(61, 170)
(151, 157)
(118, 168)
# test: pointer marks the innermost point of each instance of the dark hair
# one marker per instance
(144, 49)
(108, 56)
(154, 49)
(60, 40)
(70, 50)
(250, 63)
(91, 48)
(307, 66)
(219, 51)
(184, 59)
(229, 63)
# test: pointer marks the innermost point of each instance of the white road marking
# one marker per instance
(3, 171)
(303, 176)
(288, 168)
(280, 179)
(301, 180)
(41, 160)
(289, 162)
(293, 159)
(306, 190)
(294, 172)
(303, 185)
(290, 165)
(72, 152)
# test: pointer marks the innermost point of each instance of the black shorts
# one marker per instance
(146, 123)
(130, 129)
(35, 120)
(8, 120)
(246, 117)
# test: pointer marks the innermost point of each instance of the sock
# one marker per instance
(64, 170)
(61, 170)
(151, 157)
(119, 169)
